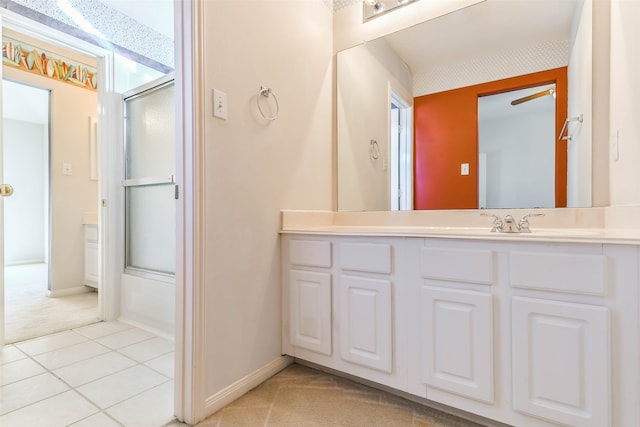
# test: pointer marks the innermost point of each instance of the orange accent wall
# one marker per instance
(446, 135)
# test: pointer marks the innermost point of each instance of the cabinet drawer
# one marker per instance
(366, 257)
(561, 272)
(462, 265)
(312, 253)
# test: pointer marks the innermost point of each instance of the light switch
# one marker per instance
(219, 104)
(464, 169)
(66, 169)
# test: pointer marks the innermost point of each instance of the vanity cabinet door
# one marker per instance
(457, 342)
(365, 322)
(561, 368)
(310, 310)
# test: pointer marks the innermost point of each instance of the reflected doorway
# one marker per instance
(401, 158)
(516, 139)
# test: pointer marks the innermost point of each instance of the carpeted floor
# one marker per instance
(29, 313)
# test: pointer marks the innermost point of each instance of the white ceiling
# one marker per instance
(483, 29)
(156, 14)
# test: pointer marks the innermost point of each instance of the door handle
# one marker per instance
(6, 190)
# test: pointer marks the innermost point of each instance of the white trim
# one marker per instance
(402, 150)
(243, 385)
(110, 218)
(190, 370)
(69, 291)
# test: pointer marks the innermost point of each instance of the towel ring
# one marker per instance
(374, 149)
(266, 92)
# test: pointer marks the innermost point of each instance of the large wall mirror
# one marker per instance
(465, 111)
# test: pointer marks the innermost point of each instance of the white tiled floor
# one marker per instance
(106, 374)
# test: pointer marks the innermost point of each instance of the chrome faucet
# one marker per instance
(509, 225)
(497, 223)
(523, 224)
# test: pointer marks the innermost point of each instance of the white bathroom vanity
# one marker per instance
(535, 329)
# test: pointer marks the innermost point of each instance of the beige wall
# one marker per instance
(625, 107)
(254, 168)
(362, 110)
(71, 195)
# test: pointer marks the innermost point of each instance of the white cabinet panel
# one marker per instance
(366, 257)
(561, 368)
(310, 310)
(464, 265)
(457, 342)
(562, 272)
(365, 322)
(312, 253)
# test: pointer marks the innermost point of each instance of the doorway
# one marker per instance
(401, 149)
(26, 153)
(30, 312)
(517, 148)
(111, 207)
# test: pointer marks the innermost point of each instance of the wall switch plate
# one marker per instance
(67, 169)
(219, 104)
(464, 169)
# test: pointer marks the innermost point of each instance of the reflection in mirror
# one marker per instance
(491, 43)
(516, 139)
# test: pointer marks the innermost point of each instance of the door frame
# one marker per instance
(189, 387)
(401, 153)
(190, 374)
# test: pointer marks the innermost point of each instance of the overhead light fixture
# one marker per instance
(375, 5)
(374, 8)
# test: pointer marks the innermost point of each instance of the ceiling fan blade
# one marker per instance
(532, 96)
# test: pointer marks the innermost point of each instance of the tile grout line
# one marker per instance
(273, 401)
(74, 389)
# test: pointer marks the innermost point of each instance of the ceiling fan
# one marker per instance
(533, 96)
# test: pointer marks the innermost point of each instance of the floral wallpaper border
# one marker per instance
(27, 58)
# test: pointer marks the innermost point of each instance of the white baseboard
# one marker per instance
(69, 291)
(227, 395)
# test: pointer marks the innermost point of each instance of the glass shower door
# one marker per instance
(150, 191)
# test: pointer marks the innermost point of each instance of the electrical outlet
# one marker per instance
(464, 169)
(67, 169)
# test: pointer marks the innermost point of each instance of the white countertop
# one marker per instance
(591, 235)
(417, 225)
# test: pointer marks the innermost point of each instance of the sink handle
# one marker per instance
(523, 224)
(497, 222)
